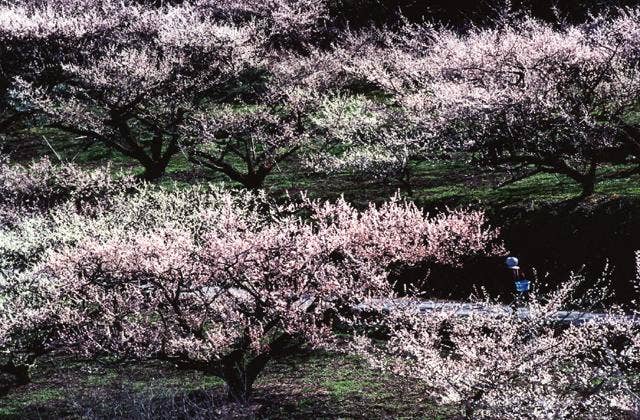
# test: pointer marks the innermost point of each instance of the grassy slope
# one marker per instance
(435, 184)
(453, 184)
(317, 385)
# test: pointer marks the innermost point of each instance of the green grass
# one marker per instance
(192, 383)
(344, 388)
(455, 184)
(435, 184)
(315, 385)
(15, 406)
(102, 379)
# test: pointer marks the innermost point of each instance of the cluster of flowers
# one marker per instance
(210, 280)
(521, 92)
(496, 362)
(42, 185)
(373, 162)
(190, 76)
(224, 82)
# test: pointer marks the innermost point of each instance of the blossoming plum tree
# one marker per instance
(30, 318)
(558, 98)
(499, 363)
(232, 83)
(528, 94)
(135, 73)
(224, 287)
(43, 185)
(366, 137)
(246, 141)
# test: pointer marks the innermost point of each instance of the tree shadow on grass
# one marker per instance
(316, 385)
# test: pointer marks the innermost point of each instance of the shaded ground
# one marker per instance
(318, 385)
(435, 184)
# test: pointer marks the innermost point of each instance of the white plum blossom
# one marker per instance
(501, 363)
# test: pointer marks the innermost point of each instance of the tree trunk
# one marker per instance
(588, 187)
(238, 382)
(19, 373)
(238, 391)
(470, 404)
(240, 371)
(588, 182)
(253, 182)
(153, 171)
(405, 181)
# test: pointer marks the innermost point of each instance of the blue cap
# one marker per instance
(512, 262)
